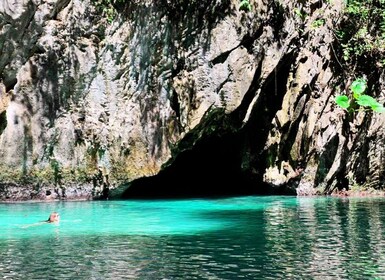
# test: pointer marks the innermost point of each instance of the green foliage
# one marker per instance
(358, 88)
(362, 32)
(55, 165)
(317, 23)
(245, 6)
(107, 8)
(300, 14)
(343, 101)
(360, 51)
(366, 101)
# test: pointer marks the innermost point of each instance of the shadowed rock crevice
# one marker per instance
(3, 121)
(10, 84)
(260, 122)
(326, 159)
(359, 161)
(289, 132)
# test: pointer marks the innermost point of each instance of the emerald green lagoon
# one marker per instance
(253, 237)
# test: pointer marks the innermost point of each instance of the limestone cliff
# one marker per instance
(103, 98)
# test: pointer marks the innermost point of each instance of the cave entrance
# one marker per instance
(218, 164)
(211, 168)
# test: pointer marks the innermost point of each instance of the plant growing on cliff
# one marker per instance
(107, 8)
(245, 6)
(361, 34)
(359, 99)
(359, 50)
(317, 23)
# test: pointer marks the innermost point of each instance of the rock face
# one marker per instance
(179, 97)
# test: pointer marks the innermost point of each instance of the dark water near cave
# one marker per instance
(229, 238)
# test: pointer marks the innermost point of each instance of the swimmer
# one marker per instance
(53, 218)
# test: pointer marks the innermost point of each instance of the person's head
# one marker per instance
(54, 217)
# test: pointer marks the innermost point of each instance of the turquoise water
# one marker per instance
(229, 238)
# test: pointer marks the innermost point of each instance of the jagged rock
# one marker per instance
(199, 87)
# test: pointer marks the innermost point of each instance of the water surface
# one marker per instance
(229, 238)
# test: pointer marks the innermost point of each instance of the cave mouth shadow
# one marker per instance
(211, 169)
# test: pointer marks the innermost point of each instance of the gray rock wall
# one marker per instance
(91, 101)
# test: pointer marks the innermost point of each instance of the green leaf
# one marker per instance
(378, 108)
(366, 101)
(342, 101)
(358, 87)
(245, 6)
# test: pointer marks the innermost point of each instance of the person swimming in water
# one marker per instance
(53, 218)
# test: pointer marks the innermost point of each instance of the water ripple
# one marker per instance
(234, 238)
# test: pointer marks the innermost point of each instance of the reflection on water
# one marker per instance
(233, 238)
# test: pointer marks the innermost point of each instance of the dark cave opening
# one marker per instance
(211, 168)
